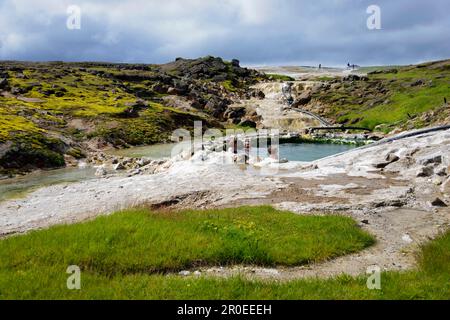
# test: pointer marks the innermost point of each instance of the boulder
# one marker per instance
(392, 157)
(441, 171)
(216, 107)
(432, 159)
(100, 172)
(161, 88)
(119, 166)
(303, 99)
(234, 113)
(425, 172)
(381, 165)
(417, 83)
(248, 123)
(182, 86)
(3, 83)
(143, 162)
(235, 63)
(258, 94)
(354, 77)
(438, 203)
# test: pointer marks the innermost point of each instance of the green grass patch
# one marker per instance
(119, 254)
(279, 77)
(140, 245)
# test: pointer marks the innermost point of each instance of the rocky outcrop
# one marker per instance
(3, 83)
(121, 104)
(303, 99)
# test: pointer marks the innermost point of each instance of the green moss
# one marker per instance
(279, 77)
(389, 98)
(33, 151)
(228, 85)
(76, 153)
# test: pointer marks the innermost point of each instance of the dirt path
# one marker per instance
(399, 233)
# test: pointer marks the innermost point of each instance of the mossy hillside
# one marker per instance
(402, 97)
(117, 102)
(155, 124)
(29, 150)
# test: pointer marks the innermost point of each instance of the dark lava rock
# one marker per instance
(303, 99)
(438, 203)
(354, 77)
(162, 89)
(3, 83)
(235, 63)
(234, 113)
(417, 83)
(436, 159)
(392, 157)
(425, 172)
(216, 107)
(260, 95)
(398, 203)
(248, 123)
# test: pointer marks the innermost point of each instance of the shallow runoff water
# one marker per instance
(17, 187)
(290, 151)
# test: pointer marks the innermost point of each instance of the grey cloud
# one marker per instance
(254, 31)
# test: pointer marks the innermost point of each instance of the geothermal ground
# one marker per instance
(396, 190)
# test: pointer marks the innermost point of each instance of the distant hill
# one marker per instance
(388, 98)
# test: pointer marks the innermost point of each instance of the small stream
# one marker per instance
(18, 187)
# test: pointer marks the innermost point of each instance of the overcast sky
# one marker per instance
(257, 32)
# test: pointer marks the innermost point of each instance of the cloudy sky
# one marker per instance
(257, 32)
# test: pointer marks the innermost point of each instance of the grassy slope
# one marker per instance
(131, 249)
(390, 99)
